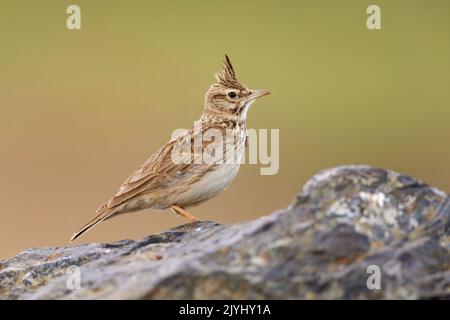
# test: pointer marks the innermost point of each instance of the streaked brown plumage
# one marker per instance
(161, 183)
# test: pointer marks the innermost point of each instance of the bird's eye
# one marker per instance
(232, 94)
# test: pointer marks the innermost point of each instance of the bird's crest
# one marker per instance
(227, 77)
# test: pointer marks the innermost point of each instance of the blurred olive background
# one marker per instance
(80, 110)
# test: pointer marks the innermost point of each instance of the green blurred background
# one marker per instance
(81, 109)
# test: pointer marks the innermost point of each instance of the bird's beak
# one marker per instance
(256, 94)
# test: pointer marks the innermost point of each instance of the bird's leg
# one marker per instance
(181, 212)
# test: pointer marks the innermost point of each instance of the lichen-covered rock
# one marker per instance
(347, 224)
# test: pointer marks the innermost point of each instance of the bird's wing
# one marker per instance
(153, 175)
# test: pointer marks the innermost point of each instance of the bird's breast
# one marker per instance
(221, 171)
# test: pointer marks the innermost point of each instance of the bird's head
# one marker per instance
(228, 96)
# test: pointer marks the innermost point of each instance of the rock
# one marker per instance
(347, 224)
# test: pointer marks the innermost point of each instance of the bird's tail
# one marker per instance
(103, 214)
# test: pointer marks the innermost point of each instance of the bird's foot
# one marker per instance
(181, 212)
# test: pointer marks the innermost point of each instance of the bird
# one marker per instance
(165, 181)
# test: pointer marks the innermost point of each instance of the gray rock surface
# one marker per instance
(344, 221)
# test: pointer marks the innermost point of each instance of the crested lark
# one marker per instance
(162, 183)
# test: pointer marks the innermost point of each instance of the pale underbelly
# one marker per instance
(210, 185)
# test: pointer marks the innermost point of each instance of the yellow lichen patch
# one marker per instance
(310, 296)
(53, 256)
(376, 245)
(397, 233)
(224, 250)
(431, 214)
(350, 259)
